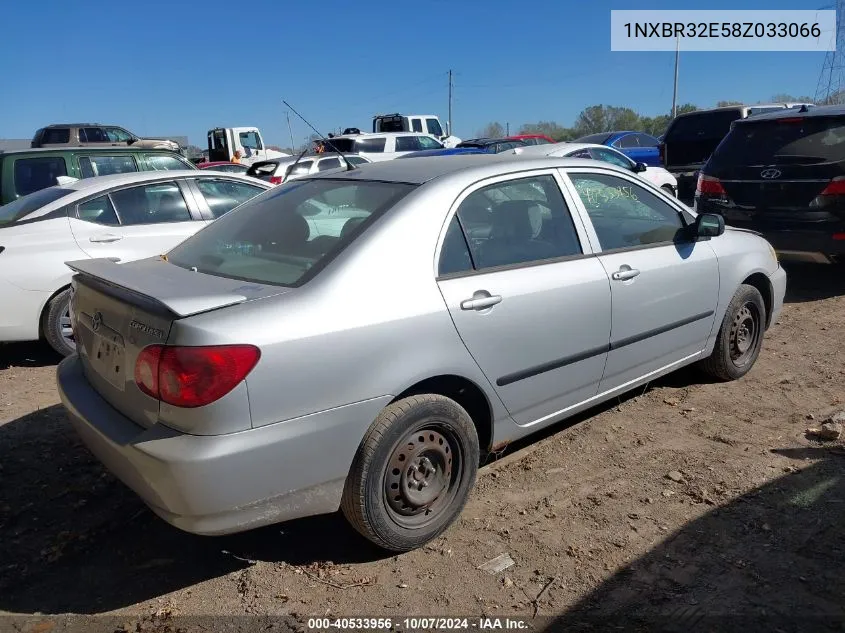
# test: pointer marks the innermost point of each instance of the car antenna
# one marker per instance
(349, 166)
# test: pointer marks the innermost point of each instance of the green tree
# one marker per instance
(788, 98)
(604, 118)
(724, 104)
(492, 130)
(549, 128)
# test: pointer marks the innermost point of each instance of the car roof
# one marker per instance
(86, 186)
(427, 168)
(376, 135)
(46, 127)
(788, 113)
(86, 150)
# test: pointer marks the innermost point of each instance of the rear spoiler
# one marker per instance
(181, 292)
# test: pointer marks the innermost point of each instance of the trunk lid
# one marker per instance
(118, 309)
(692, 138)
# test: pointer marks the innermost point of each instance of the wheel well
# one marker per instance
(46, 307)
(467, 394)
(762, 283)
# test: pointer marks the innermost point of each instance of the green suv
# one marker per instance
(25, 171)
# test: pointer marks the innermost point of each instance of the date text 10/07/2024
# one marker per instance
(418, 623)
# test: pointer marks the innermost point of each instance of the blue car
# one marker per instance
(637, 146)
(446, 151)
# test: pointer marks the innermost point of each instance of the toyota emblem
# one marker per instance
(770, 174)
(96, 321)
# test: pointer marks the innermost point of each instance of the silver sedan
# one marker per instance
(360, 340)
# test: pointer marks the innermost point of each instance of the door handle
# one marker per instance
(625, 273)
(480, 303)
(105, 237)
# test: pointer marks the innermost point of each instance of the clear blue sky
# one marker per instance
(182, 67)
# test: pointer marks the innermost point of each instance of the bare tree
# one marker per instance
(492, 130)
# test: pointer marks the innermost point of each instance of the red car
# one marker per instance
(224, 165)
(533, 139)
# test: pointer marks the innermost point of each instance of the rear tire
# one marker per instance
(55, 326)
(740, 336)
(413, 472)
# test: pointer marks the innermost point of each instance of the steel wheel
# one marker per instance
(744, 334)
(421, 476)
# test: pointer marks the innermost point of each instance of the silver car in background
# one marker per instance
(360, 340)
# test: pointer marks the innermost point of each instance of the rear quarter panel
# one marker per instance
(372, 324)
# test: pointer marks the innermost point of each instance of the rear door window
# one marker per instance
(34, 174)
(151, 204)
(416, 125)
(92, 166)
(628, 141)
(93, 135)
(56, 136)
(99, 211)
(300, 169)
(328, 163)
(224, 195)
(368, 145)
(790, 141)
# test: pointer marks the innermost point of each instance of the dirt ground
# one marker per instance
(751, 529)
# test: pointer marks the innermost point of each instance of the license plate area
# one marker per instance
(106, 354)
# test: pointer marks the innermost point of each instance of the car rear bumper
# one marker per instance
(219, 484)
(802, 244)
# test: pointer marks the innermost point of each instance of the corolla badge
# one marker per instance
(96, 321)
(770, 174)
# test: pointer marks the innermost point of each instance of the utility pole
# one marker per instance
(449, 121)
(675, 90)
(508, 129)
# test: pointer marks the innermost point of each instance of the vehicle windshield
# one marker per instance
(285, 236)
(701, 126)
(21, 207)
(802, 140)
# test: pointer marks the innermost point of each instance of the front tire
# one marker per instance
(56, 326)
(413, 472)
(740, 336)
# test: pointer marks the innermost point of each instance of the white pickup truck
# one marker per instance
(223, 142)
(419, 123)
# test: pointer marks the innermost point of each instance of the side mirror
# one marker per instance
(640, 167)
(709, 225)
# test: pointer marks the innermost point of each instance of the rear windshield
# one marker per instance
(701, 126)
(284, 237)
(795, 140)
(34, 174)
(598, 139)
(21, 207)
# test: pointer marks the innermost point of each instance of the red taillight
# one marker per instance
(276, 180)
(193, 376)
(710, 186)
(835, 187)
(840, 237)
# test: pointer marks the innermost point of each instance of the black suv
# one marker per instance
(782, 174)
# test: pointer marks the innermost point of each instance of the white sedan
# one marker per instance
(657, 176)
(123, 217)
